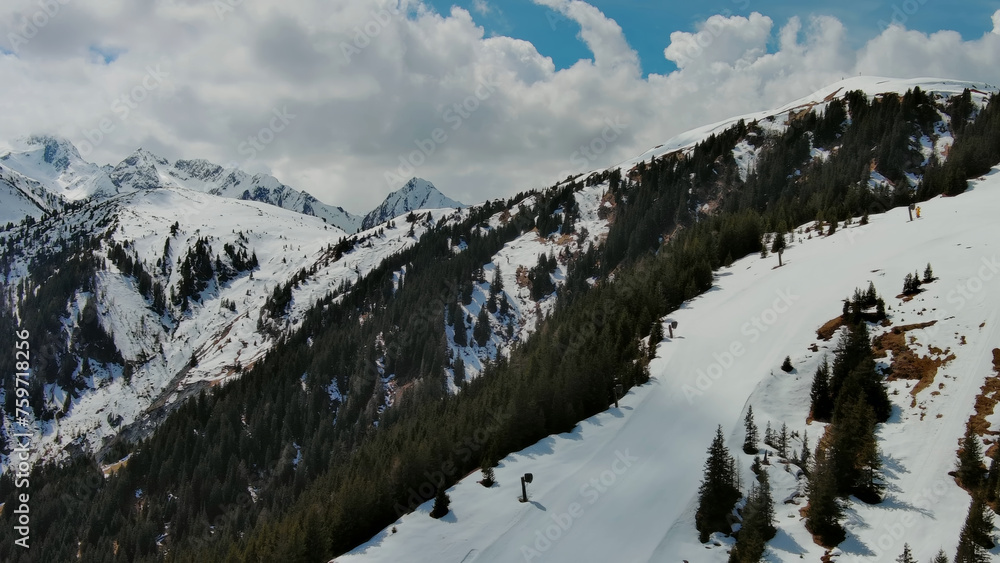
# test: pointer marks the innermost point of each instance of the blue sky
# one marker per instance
(647, 24)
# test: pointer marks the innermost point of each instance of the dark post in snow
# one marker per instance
(672, 326)
(527, 478)
(617, 390)
(780, 252)
(909, 209)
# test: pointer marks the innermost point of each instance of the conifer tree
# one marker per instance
(496, 285)
(822, 403)
(906, 556)
(783, 441)
(992, 485)
(970, 461)
(974, 541)
(786, 366)
(854, 446)
(825, 511)
(718, 492)
(750, 445)
(804, 456)
(482, 331)
(441, 503)
(461, 334)
(758, 523)
(941, 557)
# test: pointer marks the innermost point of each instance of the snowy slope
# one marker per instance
(415, 194)
(20, 198)
(514, 259)
(622, 485)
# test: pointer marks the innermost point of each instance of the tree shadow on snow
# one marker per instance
(853, 546)
(784, 542)
(891, 467)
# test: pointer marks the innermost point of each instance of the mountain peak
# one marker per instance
(55, 151)
(415, 194)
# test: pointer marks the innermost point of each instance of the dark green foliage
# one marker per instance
(758, 523)
(655, 337)
(970, 462)
(854, 450)
(825, 511)
(975, 541)
(786, 366)
(482, 331)
(461, 331)
(778, 245)
(858, 308)
(976, 149)
(906, 556)
(750, 440)
(541, 277)
(441, 504)
(718, 492)
(911, 284)
(928, 274)
(819, 395)
(853, 360)
(991, 488)
(489, 478)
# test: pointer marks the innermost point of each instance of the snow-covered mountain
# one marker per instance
(58, 167)
(415, 194)
(143, 170)
(623, 474)
(622, 485)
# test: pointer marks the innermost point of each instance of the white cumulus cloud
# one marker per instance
(376, 86)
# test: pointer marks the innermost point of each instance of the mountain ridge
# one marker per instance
(54, 163)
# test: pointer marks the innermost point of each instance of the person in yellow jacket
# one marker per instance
(918, 212)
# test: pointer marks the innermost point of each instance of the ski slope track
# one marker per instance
(622, 485)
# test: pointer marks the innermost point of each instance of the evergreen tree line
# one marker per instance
(195, 467)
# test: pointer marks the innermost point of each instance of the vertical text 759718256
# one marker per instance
(21, 455)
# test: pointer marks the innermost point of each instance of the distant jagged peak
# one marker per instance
(415, 194)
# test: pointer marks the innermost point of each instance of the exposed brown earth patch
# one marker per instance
(827, 331)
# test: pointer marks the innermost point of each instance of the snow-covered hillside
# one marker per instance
(415, 194)
(224, 329)
(622, 485)
(776, 120)
(219, 328)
